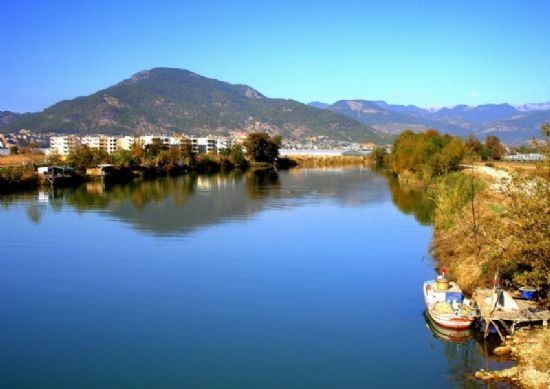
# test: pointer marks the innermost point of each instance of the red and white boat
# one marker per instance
(446, 305)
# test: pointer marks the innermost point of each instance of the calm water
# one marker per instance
(309, 278)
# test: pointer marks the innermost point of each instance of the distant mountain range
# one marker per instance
(512, 124)
(176, 100)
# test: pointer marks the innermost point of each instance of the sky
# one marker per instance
(428, 53)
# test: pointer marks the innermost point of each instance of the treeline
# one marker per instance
(426, 154)
(430, 154)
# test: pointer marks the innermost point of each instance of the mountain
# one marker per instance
(176, 100)
(477, 115)
(532, 107)
(318, 104)
(518, 128)
(7, 117)
(391, 119)
(512, 124)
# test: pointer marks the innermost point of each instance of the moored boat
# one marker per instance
(445, 304)
(447, 334)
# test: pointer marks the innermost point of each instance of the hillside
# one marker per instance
(167, 100)
(513, 124)
(7, 117)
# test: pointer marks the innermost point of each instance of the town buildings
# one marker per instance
(65, 144)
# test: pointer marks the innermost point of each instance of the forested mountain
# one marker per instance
(7, 117)
(166, 100)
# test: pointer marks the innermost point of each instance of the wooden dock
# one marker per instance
(520, 313)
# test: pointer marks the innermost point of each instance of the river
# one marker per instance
(306, 278)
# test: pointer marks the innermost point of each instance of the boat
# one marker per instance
(445, 304)
(447, 334)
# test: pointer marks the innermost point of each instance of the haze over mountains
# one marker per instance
(512, 124)
(176, 100)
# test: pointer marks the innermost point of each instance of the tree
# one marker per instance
(85, 157)
(473, 145)
(14, 150)
(379, 156)
(523, 233)
(237, 157)
(495, 147)
(260, 147)
(425, 154)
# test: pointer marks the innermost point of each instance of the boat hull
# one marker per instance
(455, 323)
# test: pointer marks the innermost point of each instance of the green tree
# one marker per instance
(425, 154)
(237, 157)
(379, 156)
(84, 157)
(260, 147)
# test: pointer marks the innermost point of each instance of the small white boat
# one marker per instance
(445, 304)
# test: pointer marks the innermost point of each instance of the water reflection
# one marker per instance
(466, 352)
(169, 206)
(412, 200)
(304, 294)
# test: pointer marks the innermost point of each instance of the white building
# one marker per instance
(63, 145)
(103, 142)
(109, 144)
(530, 157)
(210, 144)
(91, 141)
(149, 139)
(126, 142)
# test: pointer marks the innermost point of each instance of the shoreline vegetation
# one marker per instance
(489, 218)
(19, 172)
(260, 152)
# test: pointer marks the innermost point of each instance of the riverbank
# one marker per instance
(530, 350)
(488, 222)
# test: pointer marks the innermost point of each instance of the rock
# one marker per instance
(502, 350)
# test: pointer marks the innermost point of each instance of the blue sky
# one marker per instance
(418, 52)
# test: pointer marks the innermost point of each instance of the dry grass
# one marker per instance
(463, 246)
(529, 168)
(21, 159)
(326, 161)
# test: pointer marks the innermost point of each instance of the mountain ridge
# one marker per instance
(510, 123)
(178, 100)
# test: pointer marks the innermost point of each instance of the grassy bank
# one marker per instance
(17, 178)
(482, 226)
(493, 217)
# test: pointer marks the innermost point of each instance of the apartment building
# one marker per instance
(103, 142)
(63, 145)
(126, 142)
